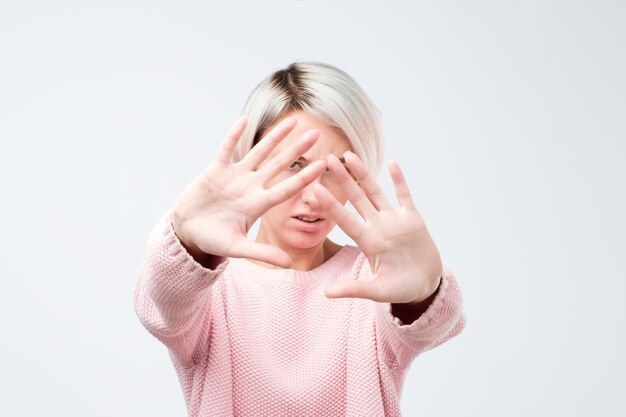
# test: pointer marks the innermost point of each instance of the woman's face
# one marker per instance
(300, 222)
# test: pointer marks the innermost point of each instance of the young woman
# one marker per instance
(293, 324)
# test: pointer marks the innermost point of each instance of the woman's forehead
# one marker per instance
(329, 141)
(320, 150)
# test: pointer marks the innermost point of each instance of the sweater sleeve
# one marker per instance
(400, 343)
(173, 294)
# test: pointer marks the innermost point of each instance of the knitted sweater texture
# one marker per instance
(252, 341)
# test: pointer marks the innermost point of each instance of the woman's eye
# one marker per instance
(296, 165)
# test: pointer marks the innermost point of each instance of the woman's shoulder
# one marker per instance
(337, 253)
(350, 260)
(332, 249)
(340, 259)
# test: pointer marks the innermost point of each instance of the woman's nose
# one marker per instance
(308, 195)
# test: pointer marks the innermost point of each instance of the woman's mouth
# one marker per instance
(308, 219)
(309, 224)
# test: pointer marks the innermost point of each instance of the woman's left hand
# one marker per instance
(405, 262)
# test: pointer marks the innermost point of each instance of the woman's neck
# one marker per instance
(304, 259)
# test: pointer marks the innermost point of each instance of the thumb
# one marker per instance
(352, 289)
(244, 248)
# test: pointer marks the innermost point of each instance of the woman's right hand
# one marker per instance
(215, 211)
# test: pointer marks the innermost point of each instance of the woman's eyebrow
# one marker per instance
(303, 159)
(341, 159)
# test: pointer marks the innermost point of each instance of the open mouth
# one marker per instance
(308, 219)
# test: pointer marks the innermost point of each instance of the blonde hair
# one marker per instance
(323, 91)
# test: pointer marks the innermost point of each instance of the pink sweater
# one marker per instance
(252, 341)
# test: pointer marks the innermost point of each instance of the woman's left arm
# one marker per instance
(417, 295)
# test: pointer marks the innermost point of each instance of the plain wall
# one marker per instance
(508, 118)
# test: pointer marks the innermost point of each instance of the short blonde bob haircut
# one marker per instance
(323, 91)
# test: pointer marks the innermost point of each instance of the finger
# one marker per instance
(289, 187)
(353, 289)
(344, 219)
(286, 157)
(227, 149)
(261, 150)
(245, 248)
(367, 182)
(352, 190)
(402, 189)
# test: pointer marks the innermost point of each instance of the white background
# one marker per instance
(507, 116)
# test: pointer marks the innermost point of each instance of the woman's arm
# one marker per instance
(208, 224)
(173, 293)
(401, 266)
(407, 313)
(401, 339)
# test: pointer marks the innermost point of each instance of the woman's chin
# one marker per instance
(295, 235)
(303, 241)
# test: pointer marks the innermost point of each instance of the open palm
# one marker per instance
(216, 210)
(405, 262)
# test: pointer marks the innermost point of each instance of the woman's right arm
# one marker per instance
(208, 224)
(173, 292)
